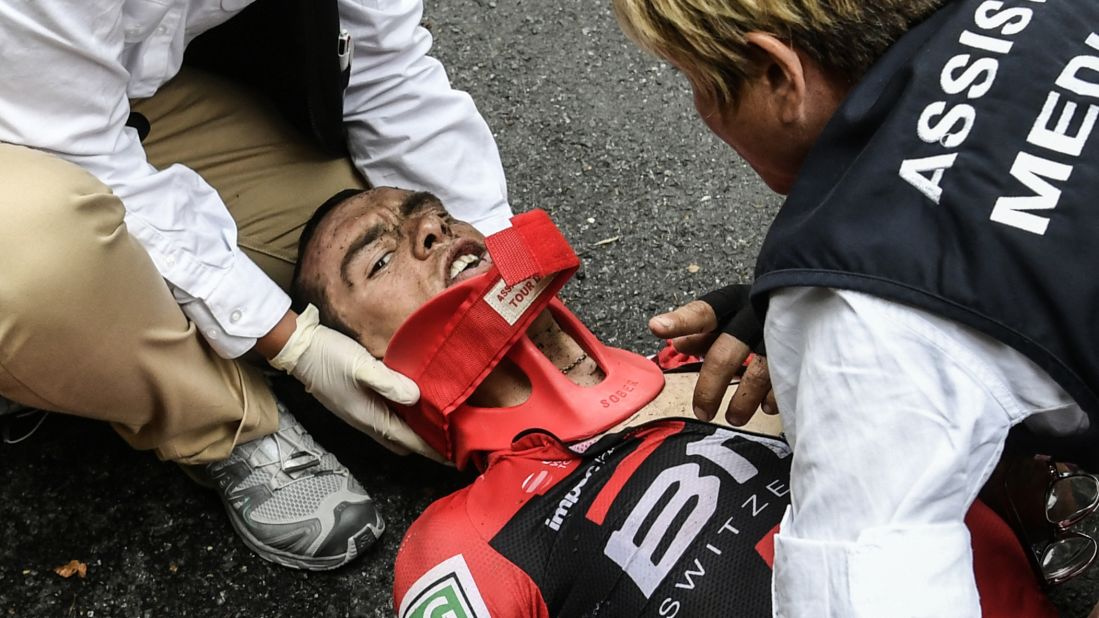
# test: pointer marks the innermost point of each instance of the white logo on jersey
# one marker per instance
(687, 495)
(536, 481)
(446, 591)
(573, 496)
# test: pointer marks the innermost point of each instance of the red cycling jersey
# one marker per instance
(674, 518)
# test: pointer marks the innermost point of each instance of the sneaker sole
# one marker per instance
(356, 545)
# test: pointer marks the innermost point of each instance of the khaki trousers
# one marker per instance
(87, 325)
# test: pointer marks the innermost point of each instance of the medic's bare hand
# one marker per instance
(723, 328)
(351, 383)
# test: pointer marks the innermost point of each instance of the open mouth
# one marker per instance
(466, 261)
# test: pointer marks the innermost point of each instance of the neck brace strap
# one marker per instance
(451, 344)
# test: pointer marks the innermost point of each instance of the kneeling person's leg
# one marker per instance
(88, 326)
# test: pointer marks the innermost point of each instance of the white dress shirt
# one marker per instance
(897, 418)
(69, 67)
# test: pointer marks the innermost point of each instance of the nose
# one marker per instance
(429, 231)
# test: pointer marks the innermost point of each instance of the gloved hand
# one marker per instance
(723, 328)
(351, 383)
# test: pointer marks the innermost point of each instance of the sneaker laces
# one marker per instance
(297, 455)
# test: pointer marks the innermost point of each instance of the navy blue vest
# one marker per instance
(961, 176)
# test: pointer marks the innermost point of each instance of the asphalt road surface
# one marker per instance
(602, 137)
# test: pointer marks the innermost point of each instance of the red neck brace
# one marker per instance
(451, 344)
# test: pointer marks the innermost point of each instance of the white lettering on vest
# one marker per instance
(1070, 78)
(1035, 172)
(1057, 138)
(1013, 21)
(947, 127)
(950, 125)
(1032, 171)
(914, 171)
(985, 68)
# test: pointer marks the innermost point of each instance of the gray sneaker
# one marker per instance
(292, 503)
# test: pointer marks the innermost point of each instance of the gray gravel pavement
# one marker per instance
(598, 134)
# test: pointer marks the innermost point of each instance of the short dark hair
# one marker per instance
(303, 292)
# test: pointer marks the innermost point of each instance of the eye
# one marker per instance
(380, 264)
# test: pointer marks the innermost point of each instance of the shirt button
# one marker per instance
(235, 316)
(212, 334)
(161, 30)
(170, 260)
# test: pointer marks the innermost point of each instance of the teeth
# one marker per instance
(462, 263)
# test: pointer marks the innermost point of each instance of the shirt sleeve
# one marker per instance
(63, 90)
(407, 127)
(896, 417)
(445, 564)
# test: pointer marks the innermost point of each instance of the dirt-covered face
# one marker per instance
(382, 254)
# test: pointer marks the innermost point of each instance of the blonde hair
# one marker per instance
(706, 38)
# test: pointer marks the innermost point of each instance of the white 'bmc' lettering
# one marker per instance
(682, 494)
(638, 559)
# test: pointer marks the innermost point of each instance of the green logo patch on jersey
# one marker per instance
(446, 591)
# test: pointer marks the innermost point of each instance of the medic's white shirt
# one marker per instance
(68, 68)
(896, 417)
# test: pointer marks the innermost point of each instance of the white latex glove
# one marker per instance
(351, 383)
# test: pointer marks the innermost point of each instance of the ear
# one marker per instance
(783, 76)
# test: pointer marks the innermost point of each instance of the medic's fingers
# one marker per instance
(755, 384)
(722, 363)
(373, 374)
(691, 319)
(697, 345)
(394, 434)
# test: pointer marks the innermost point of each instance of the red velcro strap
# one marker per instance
(531, 247)
(451, 343)
(478, 338)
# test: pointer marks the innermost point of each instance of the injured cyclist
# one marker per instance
(596, 496)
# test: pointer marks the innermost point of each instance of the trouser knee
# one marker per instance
(53, 213)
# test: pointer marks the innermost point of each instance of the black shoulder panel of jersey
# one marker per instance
(679, 537)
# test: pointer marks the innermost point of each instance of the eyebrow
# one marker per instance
(368, 237)
(411, 205)
(416, 202)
